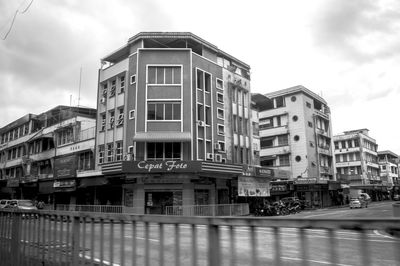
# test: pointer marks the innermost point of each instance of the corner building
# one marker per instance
(173, 122)
(295, 134)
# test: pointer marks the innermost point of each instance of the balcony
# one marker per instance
(347, 164)
(274, 151)
(323, 132)
(372, 164)
(324, 150)
(347, 150)
(322, 113)
(326, 170)
(274, 131)
(43, 155)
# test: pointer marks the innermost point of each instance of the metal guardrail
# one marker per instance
(78, 238)
(95, 208)
(209, 210)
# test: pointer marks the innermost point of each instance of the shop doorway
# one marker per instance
(155, 202)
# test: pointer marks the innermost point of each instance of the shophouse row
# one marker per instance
(176, 124)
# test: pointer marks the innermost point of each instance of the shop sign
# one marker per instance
(162, 166)
(29, 179)
(306, 180)
(373, 181)
(13, 182)
(264, 172)
(253, 187)
(161, 180)
(278, 188)
(65, 167)
(64, 183)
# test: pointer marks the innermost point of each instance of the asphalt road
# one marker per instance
(380, 246)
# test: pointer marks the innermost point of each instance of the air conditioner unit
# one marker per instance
(210, 156)
(217, 146)
(103, 100)
(201, 123)
(218, 158)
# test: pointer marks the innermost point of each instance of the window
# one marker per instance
(284, 160)
(103, 122)
(208, 115)
(280, 101)
(356, 143)
(160, 151)
(85, 161)
(122, 84)
(110, 152)
(310, 124)
(163, 111)
(296, 138)
(105, 89)
(113, 87)
(220, 97)
(336, 145)
(298, 158)
(267, 142)
(101, 154)
(220, 113)
(221, 130)
(235, 124)
(131, 114)
(133, 79)
(118, 151)
(203, 80)
(295, 118)
(283, 140)
(221, 146)
(219, 84)
(240, 125)
(308, 104)
(200, 112)
(207, 82)
(120, 121)
(350, 144)
(240, 97)
(65, 136)
(293, 98)
(164, 75)
(112, 119)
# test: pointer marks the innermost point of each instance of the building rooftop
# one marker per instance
(295, 89)
(169, 40)
(388, 153)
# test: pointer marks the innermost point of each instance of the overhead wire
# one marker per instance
(15, 16)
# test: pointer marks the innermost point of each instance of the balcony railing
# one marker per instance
(209, 210)
(84, 238)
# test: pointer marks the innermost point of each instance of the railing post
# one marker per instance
(213, 245)
(16, 239)
(75, 240)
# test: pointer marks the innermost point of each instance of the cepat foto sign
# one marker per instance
(166, 165)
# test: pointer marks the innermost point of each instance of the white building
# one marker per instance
(295, 133)
(388, 163)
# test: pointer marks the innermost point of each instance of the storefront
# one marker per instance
(151, 186)
(281, 189)
(314, 192)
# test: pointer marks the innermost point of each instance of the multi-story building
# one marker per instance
(41, 156)
(295, 136)
(389, 167)
(357, 162)
(174, 122)
(356, 157)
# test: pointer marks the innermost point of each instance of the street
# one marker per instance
(380, 246)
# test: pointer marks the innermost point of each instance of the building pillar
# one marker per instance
(187, 197)
(138, 198)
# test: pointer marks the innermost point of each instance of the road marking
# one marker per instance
(379, 234)
(316, 261)
(99, 261)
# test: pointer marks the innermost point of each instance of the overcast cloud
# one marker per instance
(346, 51)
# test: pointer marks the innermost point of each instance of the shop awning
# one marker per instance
(92, 182)
(162, 136)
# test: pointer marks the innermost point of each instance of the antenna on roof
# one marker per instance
(80, 82)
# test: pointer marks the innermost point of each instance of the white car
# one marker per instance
(357, 203)
(3, 203)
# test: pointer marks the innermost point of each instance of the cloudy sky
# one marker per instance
(346, 51)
